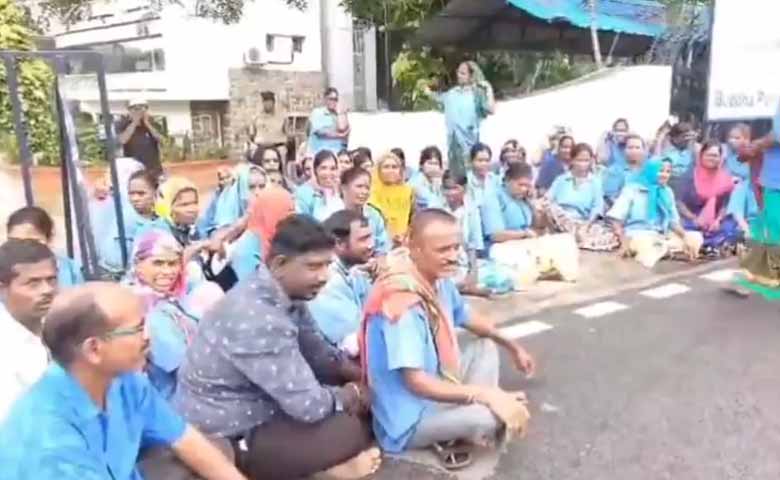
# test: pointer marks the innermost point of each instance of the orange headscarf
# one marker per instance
(399, 288)
(269, 207)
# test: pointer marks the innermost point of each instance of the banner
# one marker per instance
(744, 82)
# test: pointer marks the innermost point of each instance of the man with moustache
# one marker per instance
(338, 308)
(28, 283)
(261, 375)
(426, 393)
(92, 412)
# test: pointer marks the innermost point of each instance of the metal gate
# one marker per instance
(74, 193)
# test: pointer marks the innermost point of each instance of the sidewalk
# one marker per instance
(601, 275)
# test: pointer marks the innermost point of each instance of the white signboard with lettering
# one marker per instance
(744, 81)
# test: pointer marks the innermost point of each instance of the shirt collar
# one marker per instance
(72, 393)
(265, 279)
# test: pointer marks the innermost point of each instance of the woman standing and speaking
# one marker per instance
(465, 106)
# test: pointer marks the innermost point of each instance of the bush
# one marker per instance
(413, 71)
(35, 84)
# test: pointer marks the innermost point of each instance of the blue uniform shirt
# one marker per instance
(68, 272)
(376, 221)
(503, 212)
(425, 195)
(311, 202)
(169, 324)
(56, 432)
(247, 255)
(584, 201)
(631, 209)
(338, 308)
(393, 347)
(321, 120)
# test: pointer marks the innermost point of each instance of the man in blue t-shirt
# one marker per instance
(430, 386)
(92, 413)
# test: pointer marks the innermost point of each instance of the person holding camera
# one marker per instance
(139, 137)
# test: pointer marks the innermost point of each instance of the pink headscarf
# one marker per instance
(710, 185)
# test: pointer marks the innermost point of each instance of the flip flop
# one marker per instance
(453, 455)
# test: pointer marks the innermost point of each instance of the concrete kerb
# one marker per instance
(522, 308)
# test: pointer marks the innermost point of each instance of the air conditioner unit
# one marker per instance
(255, 56)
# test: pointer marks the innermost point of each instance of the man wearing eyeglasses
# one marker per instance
(328, 125)
(139, 137)
(28, 283)
(93, 412)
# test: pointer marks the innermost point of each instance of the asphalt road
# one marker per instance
(678, 388)
(685, 387)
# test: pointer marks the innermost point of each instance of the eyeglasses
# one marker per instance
(125, 332)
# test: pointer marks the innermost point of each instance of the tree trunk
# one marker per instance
(594, 33)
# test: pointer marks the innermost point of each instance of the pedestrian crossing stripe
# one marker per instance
(600, 309)
(525, 329)
(666, 291)
(725, 275)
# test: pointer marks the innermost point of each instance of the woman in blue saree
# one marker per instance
(172, 309)
(320, 197)
(465, 106)
(426, 181)
(737, 140)
(232, 203)
(554, 164)
(356, 190)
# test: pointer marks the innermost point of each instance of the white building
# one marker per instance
(184, 65)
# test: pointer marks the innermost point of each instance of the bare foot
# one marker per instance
(362, 465)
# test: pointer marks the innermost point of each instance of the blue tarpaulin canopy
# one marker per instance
(545, 25)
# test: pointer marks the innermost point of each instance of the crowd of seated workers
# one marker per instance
(302, 318)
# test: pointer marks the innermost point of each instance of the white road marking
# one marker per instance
(525, 329)
(666, 291)
(725, 275)
(600, 309)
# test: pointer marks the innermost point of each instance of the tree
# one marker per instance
(35, 82)
(594, 34)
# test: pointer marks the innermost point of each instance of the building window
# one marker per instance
(269, 42)
(297, 43)
(203, 126)
(122, 57)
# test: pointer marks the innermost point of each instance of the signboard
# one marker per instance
(744, 81)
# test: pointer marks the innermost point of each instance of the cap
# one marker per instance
(137, 102)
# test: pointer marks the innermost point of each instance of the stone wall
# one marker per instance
(296, 92)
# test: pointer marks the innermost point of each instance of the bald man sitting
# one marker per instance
(92, 412)
(429, 389)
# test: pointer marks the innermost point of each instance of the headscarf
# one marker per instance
(659, 197)
(399, 288)
(266, 210)
(167, 194)
(710, 185)
(155, 242)
(477, 80)
(395, 202)
(234, 200)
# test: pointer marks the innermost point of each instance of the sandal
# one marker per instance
(453, 455)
